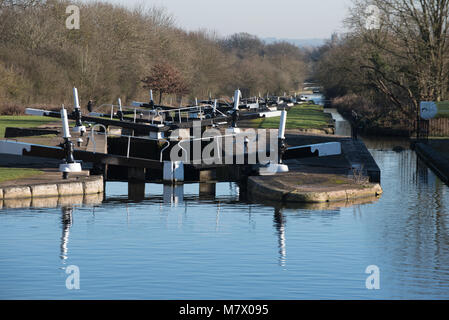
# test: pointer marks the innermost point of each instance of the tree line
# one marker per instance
(395, 55)
(116, 48)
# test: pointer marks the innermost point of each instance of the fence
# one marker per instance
(439, 127)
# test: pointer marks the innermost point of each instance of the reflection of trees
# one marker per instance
(441, 231)
(414, 213)
(425, 237)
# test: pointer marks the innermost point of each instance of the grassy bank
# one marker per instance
(306, 116)
(21, 122)
(17, 173)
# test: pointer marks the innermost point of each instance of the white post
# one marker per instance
(119, 112)
(65, 123)
(119, 104)
(279, 167)
(215, 106)
(75, 98)
(237, 95)
(151, 95)
(282, 123)
(129, 138)
(129, 146)
(78, 126)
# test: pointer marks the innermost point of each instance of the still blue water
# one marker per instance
(227, 248)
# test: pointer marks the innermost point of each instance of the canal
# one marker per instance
(192, 247)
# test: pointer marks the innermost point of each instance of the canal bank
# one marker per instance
(437, 161)
(310, 188)
(352, 175)
(51, 185)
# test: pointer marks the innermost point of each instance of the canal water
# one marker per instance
(342, 126)
(186, 246)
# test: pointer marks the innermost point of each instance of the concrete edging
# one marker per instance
(86, 186)
(260, 190)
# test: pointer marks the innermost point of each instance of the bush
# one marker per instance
(11, 109)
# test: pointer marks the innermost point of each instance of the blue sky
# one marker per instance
(296, 19)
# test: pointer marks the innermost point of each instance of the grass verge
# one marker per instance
(17, 173)
(306, 116)
(21, 122)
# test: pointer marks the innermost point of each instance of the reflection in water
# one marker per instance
(136, 191)
(422, 172)
(215, 248)
(16, 203)
(342, 127)
(173, 194)
(52, 202)
(217, 217)
(66, 220)
(207, 190)
(279, 224)
(417, 233)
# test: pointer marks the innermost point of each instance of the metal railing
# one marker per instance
(183, 113)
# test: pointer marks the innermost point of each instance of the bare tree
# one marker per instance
(408, 55)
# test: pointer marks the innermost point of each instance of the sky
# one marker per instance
(291, 19)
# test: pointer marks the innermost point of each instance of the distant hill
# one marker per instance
(298, 42)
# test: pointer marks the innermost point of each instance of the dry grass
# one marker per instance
(11, 109)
